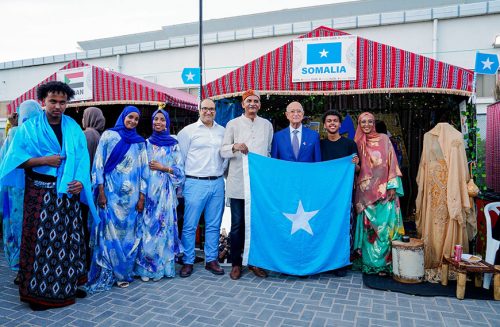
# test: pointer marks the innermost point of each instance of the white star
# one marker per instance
(487, 64)
(300, 219)
(190, 76)
(323, 53)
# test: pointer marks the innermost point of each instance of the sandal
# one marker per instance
(122, 284)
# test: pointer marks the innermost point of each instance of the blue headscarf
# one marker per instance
(27, 110)
(162, 138)
(128, 137)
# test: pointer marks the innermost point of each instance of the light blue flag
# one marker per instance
(297, 214)
(486, 63)
(324, 53)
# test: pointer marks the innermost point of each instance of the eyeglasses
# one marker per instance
(211, 109)
(296, 111)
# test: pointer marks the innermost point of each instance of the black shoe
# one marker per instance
(341, 272)
(17, 280)
(38, 307)
(80, 294)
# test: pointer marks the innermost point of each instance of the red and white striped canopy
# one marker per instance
(110, 87)
(380, 69)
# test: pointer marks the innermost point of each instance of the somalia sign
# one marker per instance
(332, 58)
(80, 80)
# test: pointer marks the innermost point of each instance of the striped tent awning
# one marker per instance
(110, 87)
(380, 69)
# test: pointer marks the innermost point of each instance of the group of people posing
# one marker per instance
(128, 192)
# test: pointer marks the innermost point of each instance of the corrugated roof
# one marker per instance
(335, 10)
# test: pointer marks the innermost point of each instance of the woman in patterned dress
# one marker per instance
(119, 178)
(378, 188)
(160, 240)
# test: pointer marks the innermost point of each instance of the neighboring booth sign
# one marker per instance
(191, 75)
(332, 58)
(80, 80)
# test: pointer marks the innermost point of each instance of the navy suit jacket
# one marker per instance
(309, 150)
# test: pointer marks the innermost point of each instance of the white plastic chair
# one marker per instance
(491, 243)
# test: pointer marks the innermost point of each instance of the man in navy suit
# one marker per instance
(296, 143)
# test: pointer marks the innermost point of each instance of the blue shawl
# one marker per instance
(162, 138)
(128, 137)
(35, 138)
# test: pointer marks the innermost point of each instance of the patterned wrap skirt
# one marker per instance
(52, 252)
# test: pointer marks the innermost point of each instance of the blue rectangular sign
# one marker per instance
(324, 53)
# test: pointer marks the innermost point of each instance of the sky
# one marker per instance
(36, 28)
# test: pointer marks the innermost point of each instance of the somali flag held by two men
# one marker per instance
(297, 214)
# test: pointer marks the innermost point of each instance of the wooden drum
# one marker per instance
(408, 261)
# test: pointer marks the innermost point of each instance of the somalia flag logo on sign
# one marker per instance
(332, 58)
(324, 53)
(297, 214)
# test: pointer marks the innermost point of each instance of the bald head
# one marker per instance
(295, 105)
(294, 114)
(207, 103)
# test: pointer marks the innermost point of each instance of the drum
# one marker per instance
(408, 261)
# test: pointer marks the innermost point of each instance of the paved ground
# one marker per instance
(208, 300)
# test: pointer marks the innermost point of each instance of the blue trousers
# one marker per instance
(199, 196)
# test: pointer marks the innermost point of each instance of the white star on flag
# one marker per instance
(323, 53)
(487, 63)
(300, 219)
(190, 76)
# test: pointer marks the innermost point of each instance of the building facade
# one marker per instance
(446, 30)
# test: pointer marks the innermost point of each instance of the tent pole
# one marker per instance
(200, 47)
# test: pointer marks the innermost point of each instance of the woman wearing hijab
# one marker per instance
(160, 239)
(378, 188)
(118, 177)
(13, 193)
(93, 124)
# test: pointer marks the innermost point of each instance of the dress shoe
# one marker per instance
(235, 273)
(214, 268)
(257, 271)
(186, 270)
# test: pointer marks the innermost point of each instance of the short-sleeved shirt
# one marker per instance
(343, 147)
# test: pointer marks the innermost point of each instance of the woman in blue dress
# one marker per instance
(160, 239)
(119, 178)
(13, 193)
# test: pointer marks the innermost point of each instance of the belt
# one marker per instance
(210, 178)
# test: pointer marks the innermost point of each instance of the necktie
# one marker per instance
(295, 144)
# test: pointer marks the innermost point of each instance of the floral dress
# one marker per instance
(115, 240)
(158, 226)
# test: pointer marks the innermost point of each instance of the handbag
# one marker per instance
(472, 188)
